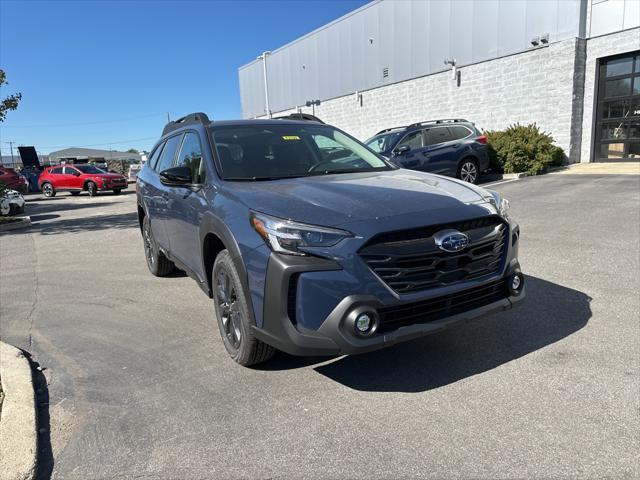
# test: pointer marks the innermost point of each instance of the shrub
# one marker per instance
(523, 148)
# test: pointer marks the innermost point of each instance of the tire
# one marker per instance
(158, 264)
(15, 210)
(116, 191)
(92, 188)
(48, 190)
(232, 313)
(75, 194)
(5, 206)
(469, 170)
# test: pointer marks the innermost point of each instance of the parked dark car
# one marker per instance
(311, 243)
(13, 180)
(452, 147)
(78, 178)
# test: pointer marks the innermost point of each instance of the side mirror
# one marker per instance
(400, 150)
(76, 174)
(176, 176)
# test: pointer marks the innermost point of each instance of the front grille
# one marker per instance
(426, 311)
(410, 261)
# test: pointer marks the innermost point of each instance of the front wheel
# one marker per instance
(92, 188)
(48, 190)
(232, 312)
(469, 171)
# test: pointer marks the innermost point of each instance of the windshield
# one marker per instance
(269, 151)
(88, 169)
(383, 142)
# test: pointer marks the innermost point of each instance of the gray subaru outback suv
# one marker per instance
(309, 242)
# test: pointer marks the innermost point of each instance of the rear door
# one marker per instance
(185, 205)
(55, 177)
(441, 151)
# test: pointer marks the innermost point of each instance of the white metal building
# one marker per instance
(571, 66)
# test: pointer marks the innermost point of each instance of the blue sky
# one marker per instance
(105, 73)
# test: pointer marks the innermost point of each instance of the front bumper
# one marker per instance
(335, 334)
(112, 186)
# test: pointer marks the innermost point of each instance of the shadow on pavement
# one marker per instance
(550, 313)
(46, 207)
(84, 224)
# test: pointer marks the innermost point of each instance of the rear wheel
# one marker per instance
(92, 188)
(469, 171)
(48, 190)
(158, 264)
(232, 312)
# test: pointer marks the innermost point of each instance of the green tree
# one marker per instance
(9, 103)
(132, 150)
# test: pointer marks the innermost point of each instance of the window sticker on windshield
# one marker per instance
(290, 137)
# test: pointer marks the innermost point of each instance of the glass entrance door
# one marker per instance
(617, 135)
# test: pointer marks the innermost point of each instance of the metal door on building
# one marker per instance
(617, 127)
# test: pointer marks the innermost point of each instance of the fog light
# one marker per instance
(363, 323)
(515, 283)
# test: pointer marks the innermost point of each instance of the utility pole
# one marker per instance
(168, 119)
(11, 147)
(263, 57)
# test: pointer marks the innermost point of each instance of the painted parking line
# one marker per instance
(500, 182)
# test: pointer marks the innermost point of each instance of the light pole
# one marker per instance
(263, 57)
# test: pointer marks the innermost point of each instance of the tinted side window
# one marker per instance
(168, 153)
(69, 171)
(56, 171)
(191, 156)
(413, 140)
(155, 155)
(458, 132)
(437, 135)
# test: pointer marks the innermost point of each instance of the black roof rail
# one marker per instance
(389, 129)
(441, 120)
(190, 119)
(307, 117)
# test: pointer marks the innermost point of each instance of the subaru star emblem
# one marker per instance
(451, 240)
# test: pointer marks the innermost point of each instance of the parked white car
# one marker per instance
(12, 202)
(134, 169)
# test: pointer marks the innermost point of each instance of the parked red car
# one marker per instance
(13, 180)
(78, 178)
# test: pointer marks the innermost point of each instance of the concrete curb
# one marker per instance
(23, 223)
(18, 434)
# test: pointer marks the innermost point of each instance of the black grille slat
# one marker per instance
(409, 261)
(437, 308)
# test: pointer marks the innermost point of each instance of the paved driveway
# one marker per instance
(140, 384)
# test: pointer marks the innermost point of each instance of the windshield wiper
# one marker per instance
(258, 179)
(344, 170)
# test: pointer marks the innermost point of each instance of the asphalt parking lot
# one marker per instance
(139, 383)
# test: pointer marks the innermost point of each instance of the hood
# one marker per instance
(333, 200)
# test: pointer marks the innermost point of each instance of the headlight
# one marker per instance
(284, 236)
(501, 203)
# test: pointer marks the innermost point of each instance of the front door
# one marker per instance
(157, 194)
(617, 128)
(186, 205)
(70, 180)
